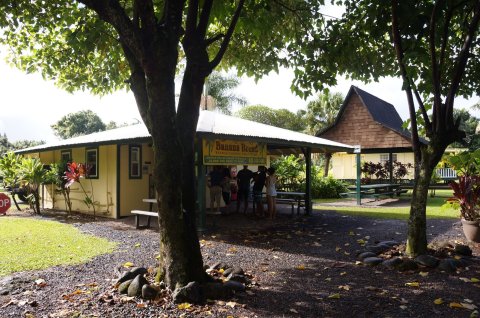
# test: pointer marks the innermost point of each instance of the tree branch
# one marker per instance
(192, 16)
(226, 40)
(462, 62)
(421, 106)
(433, 59)
(204, 17)
(214, 39)
(397, 42)
(112, 12)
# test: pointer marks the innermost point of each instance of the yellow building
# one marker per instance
(122, 160)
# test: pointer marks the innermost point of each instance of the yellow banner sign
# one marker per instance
(220, 151)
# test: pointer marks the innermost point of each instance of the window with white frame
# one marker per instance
(384, 157)
(66, 156)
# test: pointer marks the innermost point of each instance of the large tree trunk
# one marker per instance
(417, 223)
(326, 168)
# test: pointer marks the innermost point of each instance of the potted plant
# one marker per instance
(466, 192)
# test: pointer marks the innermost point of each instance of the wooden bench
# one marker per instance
(291, 202)
(149, 214)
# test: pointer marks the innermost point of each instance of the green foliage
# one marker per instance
(32, 175)
(221, 88)
(465, 163)
(282, 118)
(45, 244)
(323, 111)
(80, 123)
(6, 145)
(9, 169)
(326, 187)
(468, 124)
(289, 171)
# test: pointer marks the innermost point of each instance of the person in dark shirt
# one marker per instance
(243, 181)
(215, 183)
(259, 183)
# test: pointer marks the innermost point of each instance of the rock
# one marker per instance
(238, 271)
(372, 261)
(216, 265)
(447, 265)
(389, 243)
(138, 271)
(227, 272)
(463, 250)
(366, 254)
(407, 265)
(123, 287)
(377, 249)
(444, 244)
(149, 292)
(125, 276)
(135, 288)
(392, 263)
(218, 290)
(427, 260)
(190, 293)
(162, 285)
(237, 278)
(234, 285)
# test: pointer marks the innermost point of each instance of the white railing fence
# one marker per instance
(446, 173)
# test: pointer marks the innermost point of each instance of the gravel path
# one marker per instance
(301, 267)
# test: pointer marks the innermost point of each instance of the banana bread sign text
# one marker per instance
(221, 151)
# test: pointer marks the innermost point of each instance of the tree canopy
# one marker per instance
(6, 145)
(104, 45)
(432, 45)
(282, 118)
(80, 123)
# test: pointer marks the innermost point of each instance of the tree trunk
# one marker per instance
(417, 223)
(328, 157)
(180, 256)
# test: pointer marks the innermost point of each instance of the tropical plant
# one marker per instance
(9, 172)
(32, 175)
(221, 87)
(325, 187)
(465, 163)
(289, 171)
(466, 195)
(55, 175)
(75, 172)
(381, 170)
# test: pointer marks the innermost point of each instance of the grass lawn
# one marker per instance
(27, 244)
(434, 208)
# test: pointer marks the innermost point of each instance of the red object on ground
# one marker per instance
(4, 203)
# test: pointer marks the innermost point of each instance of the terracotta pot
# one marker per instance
(471, 229)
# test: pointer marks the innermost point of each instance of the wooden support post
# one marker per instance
(390, 166)
(358, 152)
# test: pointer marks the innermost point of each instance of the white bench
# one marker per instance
(149, 214)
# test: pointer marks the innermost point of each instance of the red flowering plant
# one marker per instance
(76, 171)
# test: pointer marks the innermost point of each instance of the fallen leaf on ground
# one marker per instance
(338, 248)
(468, 306)
(455, 305)
(128, 264)
(184, 306)
(412, 284)
(334, 296)
(231, 304)
(403, 307)
(343, 273)
(301, 267)
(294, 311)
(424, 274)
(474, 280)
(232, 250)
(438, 301)
(344, 287)
(137, 245)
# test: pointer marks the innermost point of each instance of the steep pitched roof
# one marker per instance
(381, 111)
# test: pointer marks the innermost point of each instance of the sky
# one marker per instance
(29, 104)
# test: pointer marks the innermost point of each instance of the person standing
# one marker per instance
(216, 177)
(271, 185)
(243, 181)
(226, 188)
(259, 183)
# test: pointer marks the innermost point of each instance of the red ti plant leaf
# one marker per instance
(73, 173)
(466, 193)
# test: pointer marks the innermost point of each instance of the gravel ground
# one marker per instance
(300, 267)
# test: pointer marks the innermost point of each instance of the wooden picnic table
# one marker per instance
(376, 190)
(297, 197)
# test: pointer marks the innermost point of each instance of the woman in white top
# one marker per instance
(271, 184)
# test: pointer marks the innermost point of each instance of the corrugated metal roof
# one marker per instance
(210, 124)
